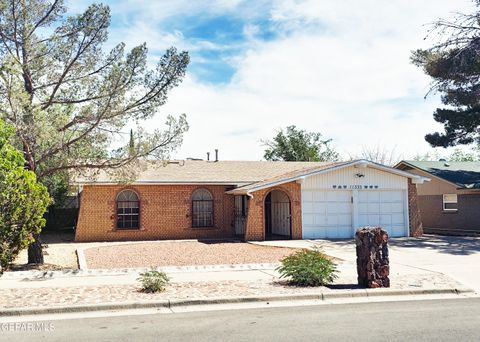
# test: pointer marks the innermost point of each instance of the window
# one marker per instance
(450, 202)
(128, 210)
(202, 208)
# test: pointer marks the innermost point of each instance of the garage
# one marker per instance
(384, 209)
(336, 203)
(327, 214)
(331, 201)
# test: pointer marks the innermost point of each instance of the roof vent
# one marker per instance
(442, 159)
(446, 164)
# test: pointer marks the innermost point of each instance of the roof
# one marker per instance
(463, 174)
(315, 170)
(236, 173)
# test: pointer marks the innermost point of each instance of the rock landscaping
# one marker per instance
(182, 253)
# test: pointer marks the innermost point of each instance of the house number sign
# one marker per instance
(355, 187)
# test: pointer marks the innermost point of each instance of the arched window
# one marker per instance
(128, 210)
(202, 208)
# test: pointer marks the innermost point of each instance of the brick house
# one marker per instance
(256, 200)
(450, 202)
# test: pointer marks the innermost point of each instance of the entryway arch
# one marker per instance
(278, 216)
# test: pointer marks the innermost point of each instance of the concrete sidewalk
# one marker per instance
(88, 290)
(130, 278)
(121, 291)
(454, 256)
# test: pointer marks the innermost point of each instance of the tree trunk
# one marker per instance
(35, 253)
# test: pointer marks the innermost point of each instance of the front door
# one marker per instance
(277, 215)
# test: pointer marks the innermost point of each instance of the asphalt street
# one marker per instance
(429, 320)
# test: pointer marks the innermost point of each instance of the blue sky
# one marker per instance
(338, 67)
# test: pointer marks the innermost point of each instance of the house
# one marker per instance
(450, 202)
(257, 200)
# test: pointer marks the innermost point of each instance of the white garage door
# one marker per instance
(383, 209)
(327, 214)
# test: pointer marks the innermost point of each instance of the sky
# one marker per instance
(341, 68)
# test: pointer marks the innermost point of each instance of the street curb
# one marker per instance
(167, 303)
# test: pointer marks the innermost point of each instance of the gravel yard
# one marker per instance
(59, 252)
(182, 253)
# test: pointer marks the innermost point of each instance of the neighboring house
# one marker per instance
(450, 202)
(256, 200)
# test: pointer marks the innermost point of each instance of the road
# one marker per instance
(431, 320)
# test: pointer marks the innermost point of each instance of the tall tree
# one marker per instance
(69, 100)
(295, 144)
(22, 200)
(453, 63)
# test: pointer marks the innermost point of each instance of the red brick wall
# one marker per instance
(416, 228)
(165, 213)
(255, 227)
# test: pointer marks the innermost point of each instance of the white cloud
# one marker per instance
(343, 69)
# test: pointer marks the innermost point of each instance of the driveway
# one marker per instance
(454, 256)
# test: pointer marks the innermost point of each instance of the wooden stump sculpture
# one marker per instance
(372, 257)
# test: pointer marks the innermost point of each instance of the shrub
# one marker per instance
(308, 268)
(153, 281)
(23, 201)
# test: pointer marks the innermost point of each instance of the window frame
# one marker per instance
(195, 221)
(451, 201)
(117, 215)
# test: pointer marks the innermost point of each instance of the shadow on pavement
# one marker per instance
(454, 245)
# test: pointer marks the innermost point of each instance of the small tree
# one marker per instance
(23, 201)
(462, 156)
(380, 154)
(299, 145)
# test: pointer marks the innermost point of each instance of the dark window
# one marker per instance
(128, 210)
(202, 208)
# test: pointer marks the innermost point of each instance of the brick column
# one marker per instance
(416, 227)
(254, 230)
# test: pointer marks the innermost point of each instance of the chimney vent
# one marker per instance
(216, 155)
(208, 156)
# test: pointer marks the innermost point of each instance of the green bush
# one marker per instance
(23, 201)
(153, 281)
(308, 268)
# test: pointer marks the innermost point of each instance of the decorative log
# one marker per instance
(372, 257)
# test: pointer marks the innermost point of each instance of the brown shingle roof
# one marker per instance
(286, 176)
(198, 171)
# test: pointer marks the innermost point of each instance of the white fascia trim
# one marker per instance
(418, 179)
(431, 175)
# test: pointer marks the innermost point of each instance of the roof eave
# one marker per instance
(416, 179)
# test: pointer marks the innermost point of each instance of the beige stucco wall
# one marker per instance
(436, 186)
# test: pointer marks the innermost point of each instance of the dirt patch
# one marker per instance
(59, 252)
(186, 253)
